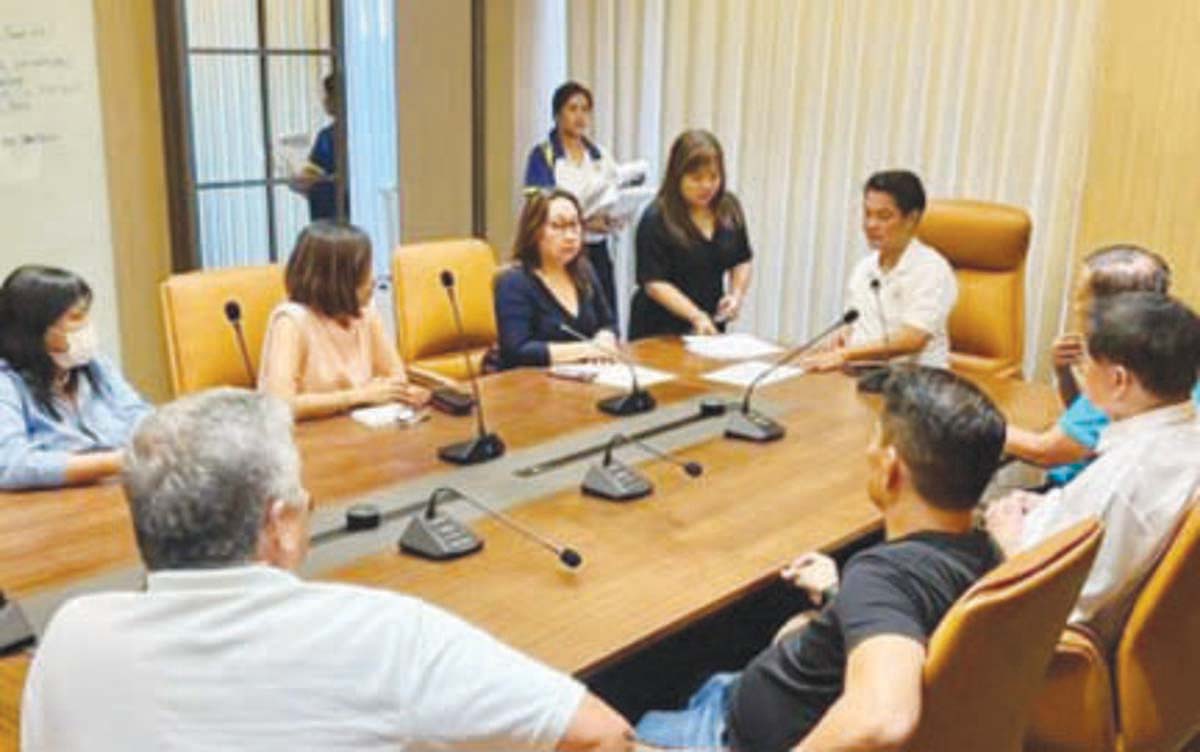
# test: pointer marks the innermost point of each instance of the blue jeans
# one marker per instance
(700, 725)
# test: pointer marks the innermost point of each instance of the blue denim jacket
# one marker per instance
(35, 445)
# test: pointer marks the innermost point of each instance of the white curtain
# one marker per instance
(987, 100)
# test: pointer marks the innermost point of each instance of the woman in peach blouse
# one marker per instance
(326, 350)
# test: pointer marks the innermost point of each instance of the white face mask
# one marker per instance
(82, 344)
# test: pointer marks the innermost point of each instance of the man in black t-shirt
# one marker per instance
(849, 676)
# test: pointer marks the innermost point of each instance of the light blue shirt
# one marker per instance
(1083, 422)
(35, 445)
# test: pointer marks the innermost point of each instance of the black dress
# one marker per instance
(698, 271)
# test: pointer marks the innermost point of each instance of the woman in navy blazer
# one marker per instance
(552, 285)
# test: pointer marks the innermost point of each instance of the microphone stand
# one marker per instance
(233, 314)
(872, 380)
(637, 400)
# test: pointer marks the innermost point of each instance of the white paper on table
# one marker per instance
(735, 346)
(741, 374)
(615, 375)
(388, 415)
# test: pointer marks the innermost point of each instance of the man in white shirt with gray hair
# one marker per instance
(227, 649)
(1139, 367)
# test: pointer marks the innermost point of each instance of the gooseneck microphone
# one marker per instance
(614, 480)
(485, 446)
(233, 314)
(638, 400)
(749, 424)
(871, 381)
(435, 535)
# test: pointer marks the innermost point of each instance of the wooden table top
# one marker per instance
(650, 566)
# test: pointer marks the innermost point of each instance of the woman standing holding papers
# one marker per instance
(568, 160)
(553, 285)
(693, 254)
(326, 350)
(65, 412)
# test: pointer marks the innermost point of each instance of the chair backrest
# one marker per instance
(986, 244)
(989, 655)
(424, 320)
(1157, 665)
(201, 347)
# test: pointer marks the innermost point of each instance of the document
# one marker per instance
(391, 414)
(741, 374)
(735, 346)
(615, 375)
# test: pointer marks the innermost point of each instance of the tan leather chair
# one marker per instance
(428, 338)
(1149, 700)
(986, 244)
(988, 656)
(201, 347)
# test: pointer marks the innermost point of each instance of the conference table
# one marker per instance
(651, 567)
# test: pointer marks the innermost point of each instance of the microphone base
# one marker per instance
(483, 448)
(616, 481)
(15, 632)
(438, 538)
(751, 425)
(632, 403)
(872, 381)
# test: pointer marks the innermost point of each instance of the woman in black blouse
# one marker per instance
(689, 240)
(553, 285)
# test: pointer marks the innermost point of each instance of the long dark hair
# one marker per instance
(694, 150)
(33, 298)
(529, 230)
(329, 262)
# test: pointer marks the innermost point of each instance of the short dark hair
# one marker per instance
(948, 433)
(329, 262)
(1125, 267)
(563, 94)
(1154, 336)
(902, 185)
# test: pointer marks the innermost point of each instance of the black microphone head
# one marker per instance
(850, 316)
(233, 311)
(875, 284)
(570, 558)
(447, 278)
(693, 469)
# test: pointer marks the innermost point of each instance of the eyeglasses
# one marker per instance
(565, 227)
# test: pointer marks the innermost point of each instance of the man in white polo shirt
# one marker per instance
(226, 649)
(903, 292)
(1139, 367)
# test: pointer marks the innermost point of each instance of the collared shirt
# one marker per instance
(36, 445)
(1083, 422)
(593, 180)
(919, 291)
(1147, 469)
(253, 658)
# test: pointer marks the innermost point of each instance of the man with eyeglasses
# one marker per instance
(226, 649)
(1139, 367)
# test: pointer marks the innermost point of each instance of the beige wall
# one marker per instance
(137, 188)
(1143, 175)
(433, 83)
(501, 181)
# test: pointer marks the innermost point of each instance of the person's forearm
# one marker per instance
(324, 404)
(1068, 390)
(672, 298)
(739, 280)
(907, 341)
(570, 352)
(92, 466)
(1045, 449)
(846, 728)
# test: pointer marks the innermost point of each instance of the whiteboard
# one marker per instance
(53, 185)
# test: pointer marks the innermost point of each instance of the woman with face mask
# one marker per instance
(326, 350)
(65, 412)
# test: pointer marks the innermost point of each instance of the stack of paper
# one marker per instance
(741, 374)
(388, 415)
(615, 375)
(735, 346)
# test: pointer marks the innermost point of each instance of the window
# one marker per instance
(244, 100)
